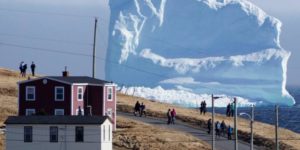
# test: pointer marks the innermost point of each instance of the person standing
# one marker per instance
(201, 108)
(136, 107)
(33, 68)
(218, 128)
(209, 126)
(204, 107)
(228, 110)
(223, 127)
(21, 68)
(24, 68)
(169, 116)
(142, 110)
(173, 115)
(229, 132)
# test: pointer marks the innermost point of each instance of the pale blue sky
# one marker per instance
(21, 18)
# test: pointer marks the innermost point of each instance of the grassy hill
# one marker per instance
(129, 135)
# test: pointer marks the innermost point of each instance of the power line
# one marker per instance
(45, 39)
(46, 13)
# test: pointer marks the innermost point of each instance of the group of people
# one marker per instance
(220, 129)
(140, 109)
(23, 69)
(171, 114)
(203, 108)
(230, 109)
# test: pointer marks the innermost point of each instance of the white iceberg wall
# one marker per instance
(229, 42)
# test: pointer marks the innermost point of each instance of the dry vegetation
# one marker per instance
(139, 136)
(264, 133)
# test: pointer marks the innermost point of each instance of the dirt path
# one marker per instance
(221, 143)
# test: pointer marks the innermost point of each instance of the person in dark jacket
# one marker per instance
(229, 132)
(169, 116)
(209, 126)
(228, 110)
(142, 110)
(21, 68)
(223, 128)
(204, 107)
(32, 68)
(136, 108)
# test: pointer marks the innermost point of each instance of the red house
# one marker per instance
(67, 95)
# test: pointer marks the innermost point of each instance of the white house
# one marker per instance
(58, 133)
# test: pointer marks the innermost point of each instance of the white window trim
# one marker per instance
(107, 93)
(27, 99)
(55, 110)
(80, 87)
(27, 111)
(58, 87)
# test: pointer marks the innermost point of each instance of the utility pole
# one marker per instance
(94, 47)
(276, 128)
(213, 121)
(235, 125)
(252, 121)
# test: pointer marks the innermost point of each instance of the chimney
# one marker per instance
(65, 73)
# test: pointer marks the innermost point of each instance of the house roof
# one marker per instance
(71, 80)
(78, 79)
(97, 120)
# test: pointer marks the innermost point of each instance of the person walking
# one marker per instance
(32, 68)
(228, 110)
(173, 115)
(201, 108)
(169, 116)
(223, 127)
(229, 132)
(142, 110)
(209, 126)
(136, 107)
(204, 107)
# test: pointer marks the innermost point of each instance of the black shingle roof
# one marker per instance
(79, 79)
(56, 120)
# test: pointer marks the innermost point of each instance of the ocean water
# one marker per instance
(289, 117)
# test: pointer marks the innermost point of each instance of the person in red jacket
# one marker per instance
(173, 114)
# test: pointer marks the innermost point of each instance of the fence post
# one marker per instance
(213, 121)
(235, 125)
(276, 127)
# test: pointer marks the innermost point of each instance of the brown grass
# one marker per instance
(263, 133)
(140, 136)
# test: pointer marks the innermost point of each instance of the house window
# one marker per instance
(59, 112)
(53, 134)
(30, 93)
(82, 112)
(59, 93)
(79, 134)
(109, 93)
(28, 134)
(30, 112)
(80, 93)
(109, 112)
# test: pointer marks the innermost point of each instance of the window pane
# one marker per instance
(79, 134)
(53, 134)
(27, 134)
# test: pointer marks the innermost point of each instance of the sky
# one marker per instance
(40, 31)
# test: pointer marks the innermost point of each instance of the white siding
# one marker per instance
(66, 138)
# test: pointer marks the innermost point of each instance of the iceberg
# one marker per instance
(197, 48)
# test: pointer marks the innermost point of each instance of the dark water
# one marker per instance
(289, 117)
